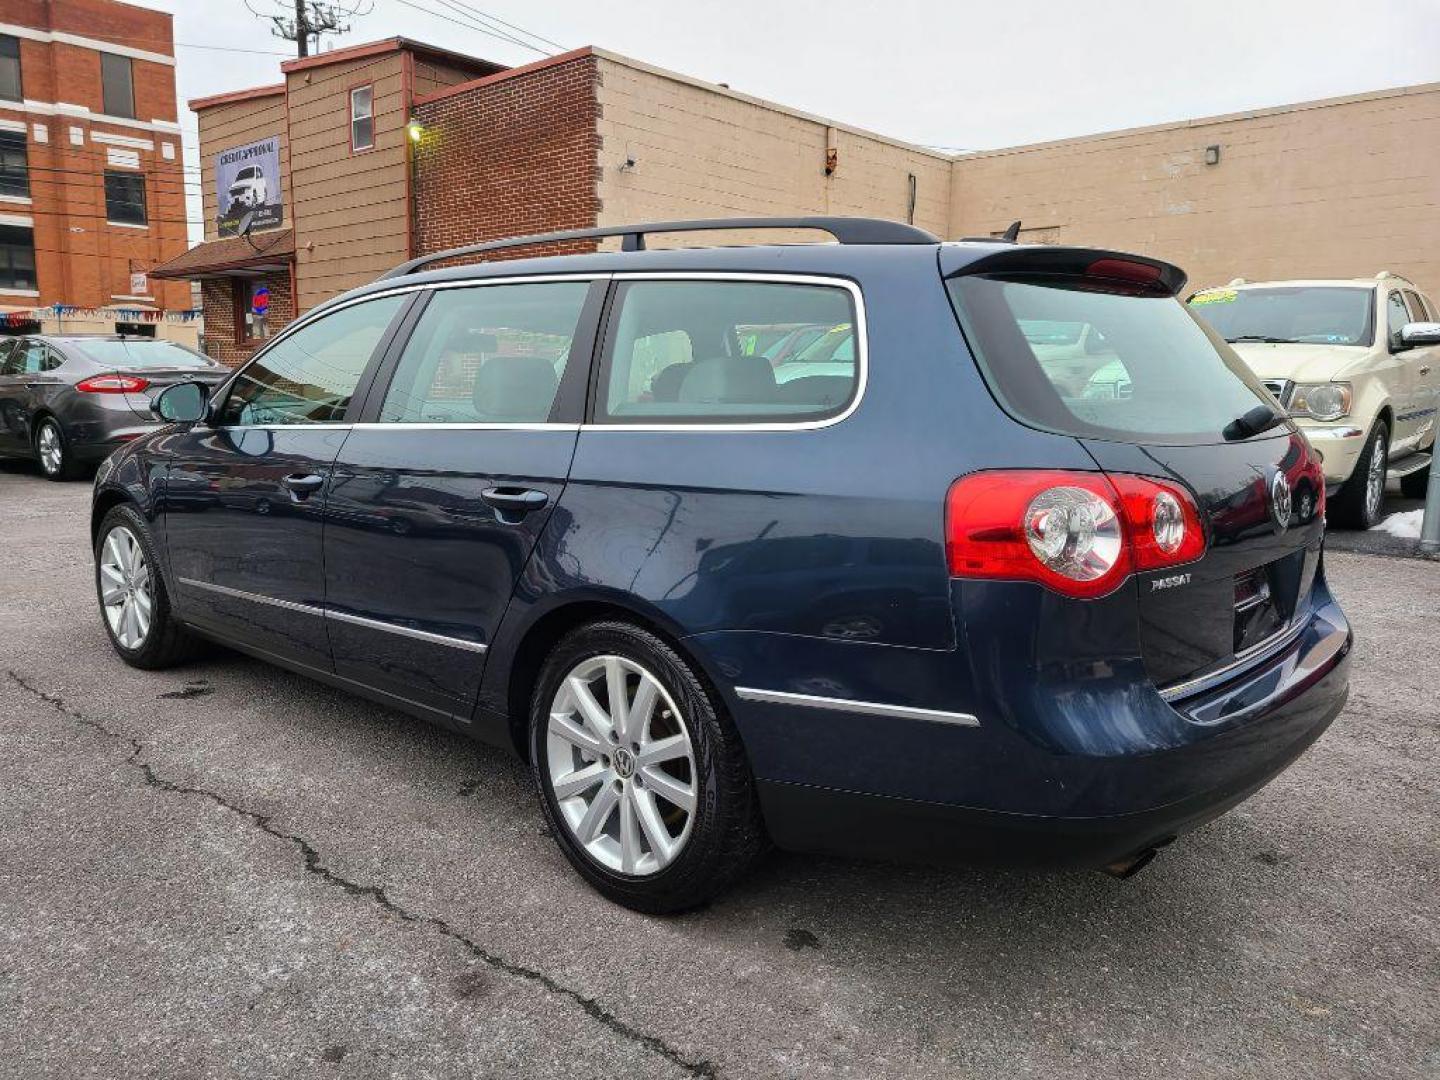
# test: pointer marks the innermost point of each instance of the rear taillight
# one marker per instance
(112, 384)
(1080, 534)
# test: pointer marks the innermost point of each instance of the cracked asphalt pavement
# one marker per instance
(225, 870)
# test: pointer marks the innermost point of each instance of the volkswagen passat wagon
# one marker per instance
(929, 600)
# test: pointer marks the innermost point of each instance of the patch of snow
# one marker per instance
(1405, 525)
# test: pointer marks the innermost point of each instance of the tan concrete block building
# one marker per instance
(464, 151)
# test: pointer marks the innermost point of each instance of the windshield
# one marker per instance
(1291, 314)
(1139, 367)
(141, 354)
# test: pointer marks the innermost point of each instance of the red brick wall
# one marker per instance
(512, 154)
(219, 302)
(80, 258)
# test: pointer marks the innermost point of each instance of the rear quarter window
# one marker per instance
(1071, 356)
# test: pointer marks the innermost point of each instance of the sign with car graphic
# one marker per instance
(247, 188)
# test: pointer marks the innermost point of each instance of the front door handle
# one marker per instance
(512, 503)
(303, 485)
(1424, 369)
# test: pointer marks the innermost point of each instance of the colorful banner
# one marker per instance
(247, 188)
(117, 314)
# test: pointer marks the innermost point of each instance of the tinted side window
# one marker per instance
(1395, 316)
(32, 357)
(487, 355)
(9, 362)
(50, 360)
(309, 376)
(1417, 307)
(690, 352)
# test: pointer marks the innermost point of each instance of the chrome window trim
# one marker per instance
(405, 631)
(329, 309)
(867, 708)
(862, 351)
(340, 616)
(440, 425)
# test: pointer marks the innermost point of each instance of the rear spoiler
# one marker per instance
(1118, 267)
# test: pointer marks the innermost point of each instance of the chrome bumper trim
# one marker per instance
(868, 708)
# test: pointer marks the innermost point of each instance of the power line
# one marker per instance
(466, 12)
(512, 26)
(472, 26)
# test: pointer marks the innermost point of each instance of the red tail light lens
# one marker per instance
(112, 384)
(1080, 534)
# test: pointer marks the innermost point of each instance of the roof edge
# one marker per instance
(1207, 121)
(487, 80)
(773, 106)
(211, 101)
(379, 48)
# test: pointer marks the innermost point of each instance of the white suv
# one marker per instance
(1356, 363)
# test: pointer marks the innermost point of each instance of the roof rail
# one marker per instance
(846, 230)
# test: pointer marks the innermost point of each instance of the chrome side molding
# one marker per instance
(868, 708)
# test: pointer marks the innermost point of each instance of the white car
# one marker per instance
(249, 188)
(1356, 363)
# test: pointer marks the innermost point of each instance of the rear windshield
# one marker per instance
(1062, 355)
(141, 354)
(1294, 314)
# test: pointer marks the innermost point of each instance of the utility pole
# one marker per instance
(1430, 521)
(308, 20)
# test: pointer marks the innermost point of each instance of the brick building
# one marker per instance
(1341, 187)
(91, 176)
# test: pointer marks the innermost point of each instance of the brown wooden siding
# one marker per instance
(351, 219)
(236, 124)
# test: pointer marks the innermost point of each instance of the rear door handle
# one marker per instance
(514, 503)
(302, 486)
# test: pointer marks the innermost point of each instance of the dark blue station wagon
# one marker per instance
(859, 547)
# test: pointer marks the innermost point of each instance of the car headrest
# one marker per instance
(741, 380)
(517, 389)
(666, 385)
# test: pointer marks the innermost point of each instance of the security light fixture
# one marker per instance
(414, 129)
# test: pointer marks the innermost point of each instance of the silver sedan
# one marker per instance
(68, 401)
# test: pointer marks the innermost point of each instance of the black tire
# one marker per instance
(168, 642)
(67, 469)
(726, 833)
(1417, 484)
(1351, 508)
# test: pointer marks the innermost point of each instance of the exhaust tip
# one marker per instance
(1130, 866)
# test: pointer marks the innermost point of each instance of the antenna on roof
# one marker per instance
(1012, 234)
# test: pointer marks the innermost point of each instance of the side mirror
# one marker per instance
(1420, 333)
(183, 403)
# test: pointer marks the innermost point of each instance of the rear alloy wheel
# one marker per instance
(134, 604)
(1361, 498)
(644, 783)
(51, 452)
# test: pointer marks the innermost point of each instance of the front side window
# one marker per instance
(9, 364)
(309, 376)
(1291, 314)
(1395, 317)
(125, 198)
(117, 82)
(677, 353)
(10, 86)
(14, 166)
(489, 355)
(362, 118)
(17, 257)
(1158, 375)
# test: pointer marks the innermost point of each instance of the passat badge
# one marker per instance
(1280, 501)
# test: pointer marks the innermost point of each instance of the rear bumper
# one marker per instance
(1135, 769)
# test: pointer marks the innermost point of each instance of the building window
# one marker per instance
(118, 84)
(252, 311)
(10, 88)
(14, 169)
(125, 198)
(362, 118)
(17, 258)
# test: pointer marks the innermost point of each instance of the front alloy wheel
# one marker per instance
(621, 765)
(127, 593)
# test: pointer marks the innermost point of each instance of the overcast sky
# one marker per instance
(960, 75)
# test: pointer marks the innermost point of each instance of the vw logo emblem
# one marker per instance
(1280, 501)
(624, 763)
